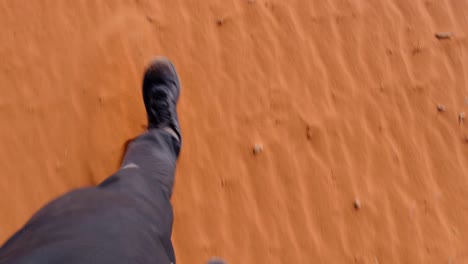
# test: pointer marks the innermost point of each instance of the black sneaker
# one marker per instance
(161, 90)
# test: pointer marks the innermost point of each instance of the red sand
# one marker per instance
(342, 94)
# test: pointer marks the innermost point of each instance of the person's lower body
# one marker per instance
(126, 219)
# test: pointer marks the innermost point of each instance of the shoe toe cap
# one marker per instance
(161, 69)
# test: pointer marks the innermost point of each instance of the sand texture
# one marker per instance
(352, 107)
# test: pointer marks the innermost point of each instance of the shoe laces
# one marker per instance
(160, 105)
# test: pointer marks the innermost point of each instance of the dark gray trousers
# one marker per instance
(126, 219)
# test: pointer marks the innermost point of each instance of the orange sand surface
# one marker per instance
(341, 94)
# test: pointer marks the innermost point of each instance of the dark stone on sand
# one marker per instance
(443, 35)
(357, 204)
(441, 108)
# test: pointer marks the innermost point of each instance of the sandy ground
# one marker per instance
(341, 94)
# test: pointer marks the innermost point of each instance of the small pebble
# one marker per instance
(220, 22)
(444, 35)
(309, 132)
(441, 108)
(357, 204)
(149, 19)
(258, 148)
(461, 117)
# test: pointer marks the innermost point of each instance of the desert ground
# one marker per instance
(355, 109)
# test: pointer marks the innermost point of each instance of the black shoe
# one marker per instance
(161, 90)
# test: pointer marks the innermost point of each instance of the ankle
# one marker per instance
(172, 132)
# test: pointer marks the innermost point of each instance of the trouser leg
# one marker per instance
(128, 217)
(147, 169)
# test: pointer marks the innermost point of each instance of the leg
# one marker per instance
(128, 217)
(149, 166)
(152, 155)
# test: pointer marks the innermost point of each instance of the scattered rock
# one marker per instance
(257, 149)
(357, 204)
(220, 21)
(444, 35)
(461, 117)
(309, 133)
(417, 49)
(149, 19)
(441, 108)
